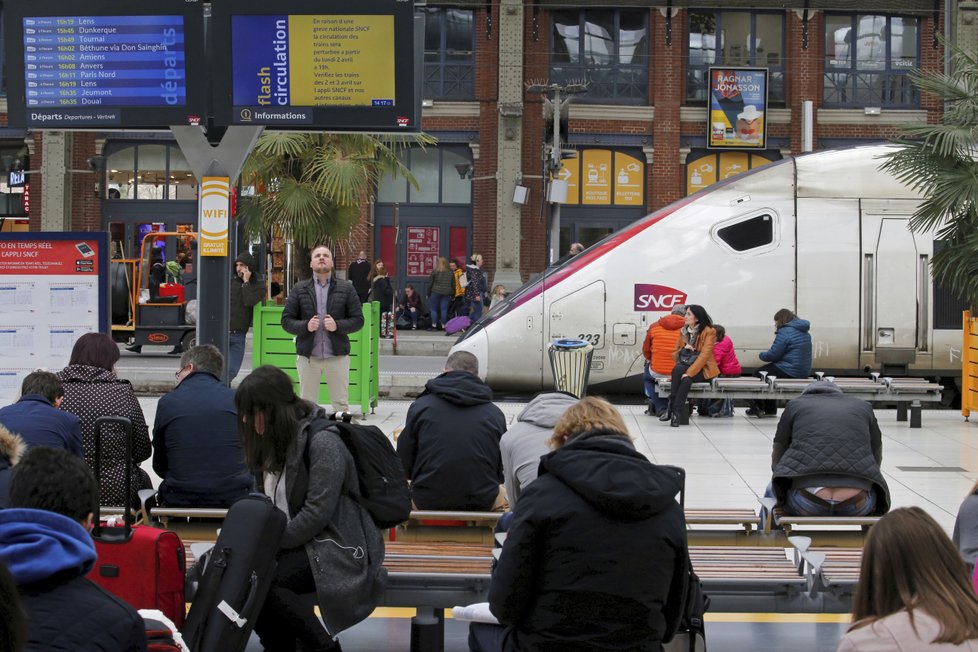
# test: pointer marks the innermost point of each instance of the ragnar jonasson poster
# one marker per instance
(738, 108)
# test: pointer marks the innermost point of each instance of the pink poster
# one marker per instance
(422, 250)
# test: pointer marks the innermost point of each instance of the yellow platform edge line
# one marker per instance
(407, 612)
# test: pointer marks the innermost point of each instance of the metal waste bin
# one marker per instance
(570, 361)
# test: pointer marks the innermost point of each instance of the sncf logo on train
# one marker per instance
(657, 297)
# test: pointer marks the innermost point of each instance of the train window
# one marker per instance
(751, 233)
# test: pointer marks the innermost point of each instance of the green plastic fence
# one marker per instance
(272, 345)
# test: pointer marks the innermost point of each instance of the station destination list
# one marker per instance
(104, 61)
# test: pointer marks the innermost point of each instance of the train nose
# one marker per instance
(478, 345)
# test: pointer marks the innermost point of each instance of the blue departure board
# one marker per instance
(104, 69)
(104, 61)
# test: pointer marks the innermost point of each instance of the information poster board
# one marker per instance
(602, 177)
(422, 250)
(53, 289)
(738, 108)
(102, 64)
(305, 64)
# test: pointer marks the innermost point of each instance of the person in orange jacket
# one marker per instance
(657, 348)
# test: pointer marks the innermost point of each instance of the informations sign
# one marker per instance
(53, 289)
(103, 69)
(290, 63)
(738, 108)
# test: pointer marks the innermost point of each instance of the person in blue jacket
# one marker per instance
(790, 356)
(196, 448)
(37, 419)
(46, 546)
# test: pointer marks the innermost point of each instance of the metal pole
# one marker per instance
(554, 169)
(214, 272)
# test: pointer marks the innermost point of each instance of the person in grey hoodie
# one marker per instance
(525, 442)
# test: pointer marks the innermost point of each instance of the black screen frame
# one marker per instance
(157, 117)
(403, 118)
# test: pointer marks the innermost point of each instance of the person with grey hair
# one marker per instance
(450, 443)
(827, 454)
(196, 449)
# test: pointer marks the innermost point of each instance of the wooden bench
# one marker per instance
(839, 531)
(732, 526)
(447, 526)
(905, 392)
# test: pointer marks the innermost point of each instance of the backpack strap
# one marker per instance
(317, 425)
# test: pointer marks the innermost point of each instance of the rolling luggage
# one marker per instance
(457, 324)
(236, 577)
(142, 565)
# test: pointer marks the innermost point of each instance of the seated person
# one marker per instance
(450, 442)
(37, 419)
(596, 557)
(411, 306)
(827, 453)
(46, 546)
(196, 449)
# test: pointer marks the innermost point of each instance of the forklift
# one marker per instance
(150, 298)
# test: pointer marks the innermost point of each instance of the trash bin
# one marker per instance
(570, 361)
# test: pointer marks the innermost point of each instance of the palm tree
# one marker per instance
(309, 187)
(941, 162)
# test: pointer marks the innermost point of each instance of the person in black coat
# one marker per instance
(322, 312)
(46, 546)
(450, 443)
(827, 454)
(358, 273)
(596, 557)
(196, 448)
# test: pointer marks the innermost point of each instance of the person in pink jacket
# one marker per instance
(726, 357)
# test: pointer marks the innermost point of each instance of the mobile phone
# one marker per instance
(85, 250)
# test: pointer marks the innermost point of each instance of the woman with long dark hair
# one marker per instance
(694, 362)
(913, 591)
(331, 545)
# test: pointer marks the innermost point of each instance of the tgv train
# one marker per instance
(823, 234)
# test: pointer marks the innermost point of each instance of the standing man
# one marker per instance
(244, 295)
(321, 312)
(359, 274)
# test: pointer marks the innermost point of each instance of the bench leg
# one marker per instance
(901, 410)
(915, 417)
(428, 630)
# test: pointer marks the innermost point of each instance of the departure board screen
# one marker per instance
(103, 70)
(290, 64)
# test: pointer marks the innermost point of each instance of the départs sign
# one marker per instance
(657, 298)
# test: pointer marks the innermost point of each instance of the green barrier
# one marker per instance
(272, 345)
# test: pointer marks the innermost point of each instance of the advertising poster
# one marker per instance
(738, 108)
(53, 289)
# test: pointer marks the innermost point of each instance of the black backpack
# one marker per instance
(384, 490)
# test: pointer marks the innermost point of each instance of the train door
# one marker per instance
(579, 314)
(895, 289)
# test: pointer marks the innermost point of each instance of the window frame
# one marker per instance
(582, 70)
(435, 85)
(745, 217)
(120, 146)
(777, 90)
(853, 73)
(462, 151)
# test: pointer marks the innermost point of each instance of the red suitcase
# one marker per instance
(145, 566)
